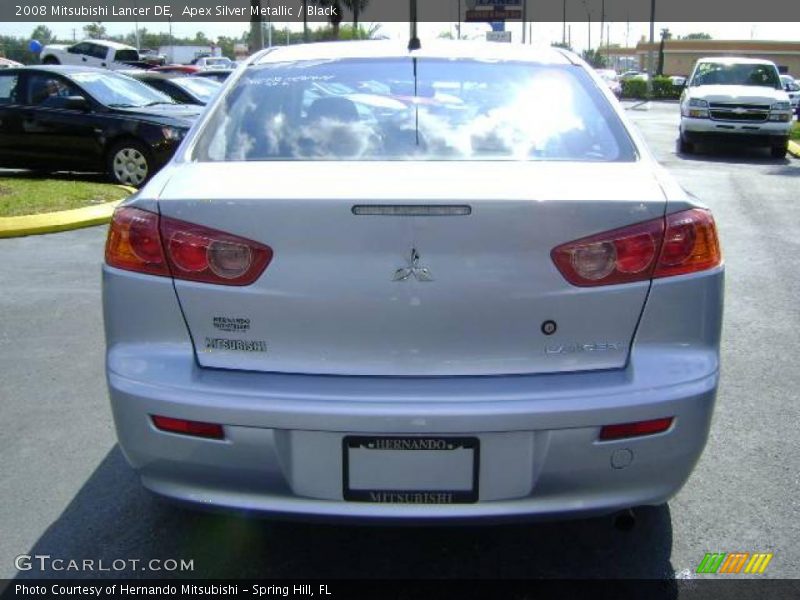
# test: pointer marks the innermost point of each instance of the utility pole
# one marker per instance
(524, 18)
(650, 49)
(564, 24)
(458, 24)
(602, 20)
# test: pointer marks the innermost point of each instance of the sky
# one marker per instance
(543, 33)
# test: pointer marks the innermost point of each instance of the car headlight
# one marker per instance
(781, 106)
(696, 108)
(173, 134)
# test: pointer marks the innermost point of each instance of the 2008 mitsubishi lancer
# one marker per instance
(432, 284)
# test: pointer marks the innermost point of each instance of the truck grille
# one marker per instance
(752, 113)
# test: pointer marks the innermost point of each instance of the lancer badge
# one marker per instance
(413, 268)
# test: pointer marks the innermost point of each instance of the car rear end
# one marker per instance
(313, 312)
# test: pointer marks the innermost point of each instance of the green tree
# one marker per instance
(335, 18)
(43, 34)
(95, 30)
(594, 58)
(356, 7)
(697, 36)
(562, 45)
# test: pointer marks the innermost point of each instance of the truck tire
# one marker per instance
(780, 151)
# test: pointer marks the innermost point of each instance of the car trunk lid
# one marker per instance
(368, 291)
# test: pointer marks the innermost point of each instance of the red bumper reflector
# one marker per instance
(195, 428)
(626, 430)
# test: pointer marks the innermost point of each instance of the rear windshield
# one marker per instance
(721, 73)
(126, 55)
(421, 109)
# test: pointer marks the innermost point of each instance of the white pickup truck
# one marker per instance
(738, 100)
(93, 53)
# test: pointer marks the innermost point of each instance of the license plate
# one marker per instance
(410, 470)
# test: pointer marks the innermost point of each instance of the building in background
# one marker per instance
(681, 55)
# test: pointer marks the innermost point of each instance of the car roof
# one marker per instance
(430, 49)
(62, 69)
(735, 60)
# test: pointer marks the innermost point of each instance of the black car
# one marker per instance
(181, 88)
(60, 118)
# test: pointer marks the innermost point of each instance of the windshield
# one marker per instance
(395, 109)
(203, 89)
(118, 90)
(721, 73)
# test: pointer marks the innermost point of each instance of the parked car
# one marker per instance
(213, 62)
(93, 53)
(792, 88)
(7, 63)
(627, 75)
(482, 323)
(181, 88)
(152, 57)
(611, 79)
(734, 99)
(678, 81)
(219, 75)
(83, 119)
(185, 69)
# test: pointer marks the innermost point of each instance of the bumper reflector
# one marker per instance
(639, 428)
(195, 428)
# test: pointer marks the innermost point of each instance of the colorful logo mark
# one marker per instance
(734, 562)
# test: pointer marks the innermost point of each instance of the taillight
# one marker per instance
(677, 244)
(142, 241)
(134, 243)
(690, 244)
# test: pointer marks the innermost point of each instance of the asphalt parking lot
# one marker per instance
(67, 491)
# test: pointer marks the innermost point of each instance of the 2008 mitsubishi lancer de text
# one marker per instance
(446, 283)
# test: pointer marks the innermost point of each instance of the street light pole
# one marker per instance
(564, 25)
(650, 49)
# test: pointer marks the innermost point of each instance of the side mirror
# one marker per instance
(77, 103)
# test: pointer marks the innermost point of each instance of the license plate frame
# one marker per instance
(410, 496)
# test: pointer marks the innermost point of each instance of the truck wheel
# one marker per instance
(50, 60)
(780, 151)
(684, 146)
(129, 163)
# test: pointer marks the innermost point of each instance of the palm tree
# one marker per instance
(335, 18)
(256, 32)
(356, 6)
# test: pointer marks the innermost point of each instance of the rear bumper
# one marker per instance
(539, 450)
(283, 448)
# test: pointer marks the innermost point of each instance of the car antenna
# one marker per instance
(413, 42)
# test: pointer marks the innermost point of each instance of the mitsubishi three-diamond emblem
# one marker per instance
(413, 270)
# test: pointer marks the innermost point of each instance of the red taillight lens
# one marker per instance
(142, 241)
(690, 244)
(681, 243)
(619, 256)
(626, 430)
(134, 243)
(195, 428)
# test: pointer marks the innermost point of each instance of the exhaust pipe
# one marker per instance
(625, 520)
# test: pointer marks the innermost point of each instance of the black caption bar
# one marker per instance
(399, 10)
(666, 589)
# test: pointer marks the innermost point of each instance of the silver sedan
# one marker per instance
(447, 283)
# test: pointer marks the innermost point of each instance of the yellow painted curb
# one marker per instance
(794, 149)
(63, 220)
